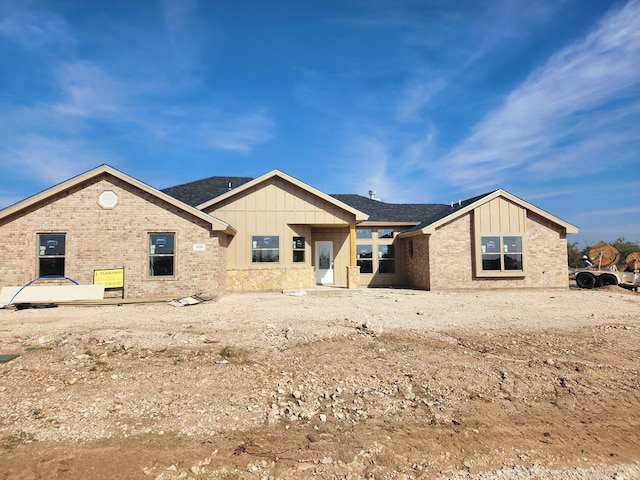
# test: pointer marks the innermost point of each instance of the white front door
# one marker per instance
(324, 263)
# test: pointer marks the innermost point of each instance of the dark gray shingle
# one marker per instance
(391, 212)
(200, 191)
(423, 214)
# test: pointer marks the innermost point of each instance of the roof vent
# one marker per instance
(372, 194)
(230, 186)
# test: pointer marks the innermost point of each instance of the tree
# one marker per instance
(624, 247)
(574, 255)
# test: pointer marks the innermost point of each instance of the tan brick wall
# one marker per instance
(444, 260)
(97, 238)
(450, 260)
(417, 266)
(547, 253)
(271, 279)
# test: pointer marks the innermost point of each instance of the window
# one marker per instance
(385, 233)
(265, 249)
(161, 254)
(374, 250)
(364, 257)
(501, 253)
(364, 251)
(298, 249)
(51, 254)
(386, 261)
(364, 233)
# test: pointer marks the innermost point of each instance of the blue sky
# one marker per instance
(425, 101)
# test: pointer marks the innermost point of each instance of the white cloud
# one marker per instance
(49, 160)
(176, 11)
(612, 212)
(182, 30)
(369, 161)
(33, 29)
(89, 91)
(557, 107)
(239, 133)
(416, 96)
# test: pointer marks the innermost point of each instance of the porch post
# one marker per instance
(353, 271)
(352, 245)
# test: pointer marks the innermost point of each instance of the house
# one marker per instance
(290, 235)
(104, 219)
(274, 232)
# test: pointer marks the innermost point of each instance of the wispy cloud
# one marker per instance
(238, 133)
(556, 107)
(363, 166)
(175, 14)
(181, 25)
(417, 95)
(89, 91)
(50, 160)
(610, 212)
(33, 29)
(89, 106)
(379, 159)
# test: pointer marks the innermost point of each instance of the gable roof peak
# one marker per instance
(359, 215)
(215, 222)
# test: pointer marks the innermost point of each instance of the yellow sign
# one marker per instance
(113, 278)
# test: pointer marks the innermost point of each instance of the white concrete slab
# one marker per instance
(51, 293)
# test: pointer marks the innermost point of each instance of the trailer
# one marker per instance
(601, 269)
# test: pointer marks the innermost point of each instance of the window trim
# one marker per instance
(480, 272)
(363, 233)
(360, 259)
(252, 249)
(43, 256)
(295, 249)
(370, 237)
(386, 260)
(152, 255)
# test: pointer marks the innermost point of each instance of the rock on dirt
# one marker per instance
(351, 384)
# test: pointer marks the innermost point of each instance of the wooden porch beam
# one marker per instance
(352, 245)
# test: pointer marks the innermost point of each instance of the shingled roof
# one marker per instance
(200, 191)
(392, 212)
(422, 214)
(446, 211)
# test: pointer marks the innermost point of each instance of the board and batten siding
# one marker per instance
(276, 207)
(500, 216)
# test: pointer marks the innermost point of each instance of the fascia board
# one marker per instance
(359, 216)
(431, 228)
(216, 223)
(552, 218)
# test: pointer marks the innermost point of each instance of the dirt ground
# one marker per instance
(336, 384)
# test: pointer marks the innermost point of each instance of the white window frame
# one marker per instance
(43, 251)
(256, 246)
(159, 254)
(502, 251)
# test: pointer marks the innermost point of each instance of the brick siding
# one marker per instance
(444, 260)
(98, 238)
